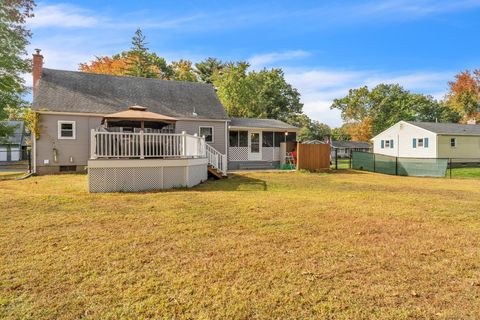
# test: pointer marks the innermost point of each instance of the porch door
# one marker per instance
(254, 145)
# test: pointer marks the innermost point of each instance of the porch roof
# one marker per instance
(267, 124)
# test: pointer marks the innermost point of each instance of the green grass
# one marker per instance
(11, 175)
(285, 245)
(342, 164)
(465, 173)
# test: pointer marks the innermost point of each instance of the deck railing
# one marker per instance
(217, 159)
(146, 145)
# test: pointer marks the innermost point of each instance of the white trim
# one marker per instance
(264, 129)
(142, 163)
(34, 150)
(213, 133)
(59, 129)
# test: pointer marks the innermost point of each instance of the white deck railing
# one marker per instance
(217, 159)
(146, 145)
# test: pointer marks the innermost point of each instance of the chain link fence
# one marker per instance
(14, 163)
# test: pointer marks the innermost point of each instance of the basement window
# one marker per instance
(68, 168)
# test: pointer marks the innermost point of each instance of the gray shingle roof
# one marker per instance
(351, 144)
(71, 91)
(260, 123)
(448, 128)
(18, 136)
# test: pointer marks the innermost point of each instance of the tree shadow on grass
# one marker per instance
(234, 182)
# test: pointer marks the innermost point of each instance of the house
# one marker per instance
(255, 143)
(135, 133)
(343, 149)
(429, 140)
(14, 147)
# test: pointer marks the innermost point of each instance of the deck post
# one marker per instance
(93, 144)
(197, 144)
(142, 145)
(184, 143)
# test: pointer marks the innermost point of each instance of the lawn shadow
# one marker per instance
(234, 182)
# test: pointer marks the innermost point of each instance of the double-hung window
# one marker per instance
(453, 142)
(66, 129)
(206, 132)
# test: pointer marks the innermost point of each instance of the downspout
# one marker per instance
(34, 152)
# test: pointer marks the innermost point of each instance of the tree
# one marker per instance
(207, 68)
(369, 112)
(263, 94)
(314, 131)
(341, 134)
(138, 62)
(14, 37)
(464, 95)
(183, 71)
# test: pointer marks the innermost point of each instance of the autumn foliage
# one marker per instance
(464, 95)
(106, 65)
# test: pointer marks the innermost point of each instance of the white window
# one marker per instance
(66, 129)
(206, 132)
(420, 143)
(453, 142)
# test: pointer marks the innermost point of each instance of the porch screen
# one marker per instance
(233, 138)
(279, 137)
(243, 138)
(267, 140)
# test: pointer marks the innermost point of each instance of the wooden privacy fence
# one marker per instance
(313, 156)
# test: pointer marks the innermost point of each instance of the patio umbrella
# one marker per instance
(138, 114)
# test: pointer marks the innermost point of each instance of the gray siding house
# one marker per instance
(71, 104)
(142, 134)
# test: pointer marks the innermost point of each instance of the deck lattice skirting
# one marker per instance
(141, 175)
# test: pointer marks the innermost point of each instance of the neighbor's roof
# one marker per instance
(351, 144)
(71, 91)
(260, 124)
(448, 128)
(18, 136)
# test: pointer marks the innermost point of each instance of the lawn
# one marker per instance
(465, 173)
(285, 245)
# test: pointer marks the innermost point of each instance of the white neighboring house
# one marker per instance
(429, 140)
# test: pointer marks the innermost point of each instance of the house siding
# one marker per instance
(78, 148)
(466, 147)
(193, 126)
(402, 135)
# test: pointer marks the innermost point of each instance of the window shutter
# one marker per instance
(391, 144)
(414, 141)
(382, 144)
(425, 142)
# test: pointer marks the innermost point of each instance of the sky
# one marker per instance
(324, 47)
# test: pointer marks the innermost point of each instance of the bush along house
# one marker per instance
(141, 134)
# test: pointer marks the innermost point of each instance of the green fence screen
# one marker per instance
(363, 161)
(418, 167)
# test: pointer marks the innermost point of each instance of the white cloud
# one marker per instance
(263, 60)
(62, 15)
(319, 87)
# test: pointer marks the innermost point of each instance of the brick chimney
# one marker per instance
(37, 69)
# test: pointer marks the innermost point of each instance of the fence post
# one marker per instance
(336, 159)
(93, 144)
(396, 166)
(350, 160)
(29, 156)
(450, 164)
(374, 162)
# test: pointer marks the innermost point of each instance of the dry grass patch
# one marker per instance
(258, 245)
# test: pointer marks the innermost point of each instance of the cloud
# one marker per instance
(62, 15)
(319, 87)
(263, 60)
